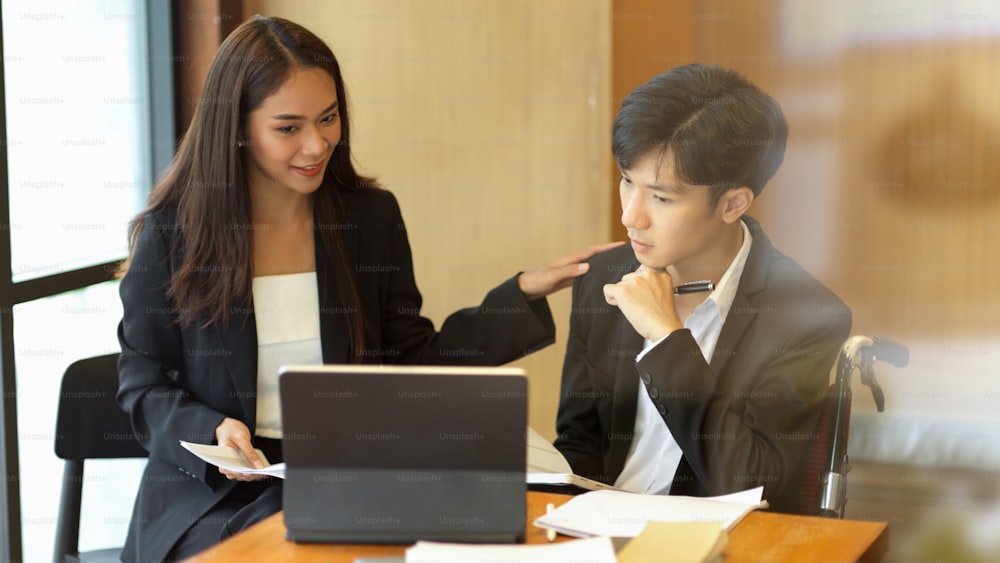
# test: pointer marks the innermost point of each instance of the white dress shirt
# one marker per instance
(286, 308)
(654, 455)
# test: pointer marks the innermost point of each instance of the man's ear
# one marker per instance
(735, 203)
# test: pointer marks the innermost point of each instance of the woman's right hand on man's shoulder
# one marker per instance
(552, 277)
(235, 434)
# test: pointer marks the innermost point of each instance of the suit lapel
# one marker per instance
(623, 411)
(332, 315)
(741, 313)
(239, 343)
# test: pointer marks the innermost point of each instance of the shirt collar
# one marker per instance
(725, 291)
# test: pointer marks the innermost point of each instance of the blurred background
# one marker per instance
(490, 120)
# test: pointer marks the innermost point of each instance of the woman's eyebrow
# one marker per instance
(291, 117)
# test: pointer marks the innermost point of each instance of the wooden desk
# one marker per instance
(761, 536)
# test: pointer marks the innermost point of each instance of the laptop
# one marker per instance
(388, 454)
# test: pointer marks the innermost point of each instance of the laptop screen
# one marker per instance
(431, 452)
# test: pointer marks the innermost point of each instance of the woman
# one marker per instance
(263, 246)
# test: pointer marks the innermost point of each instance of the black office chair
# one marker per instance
(89, 425)
(823, 470)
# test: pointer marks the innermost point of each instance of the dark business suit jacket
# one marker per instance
(180, 383)
(741, 420)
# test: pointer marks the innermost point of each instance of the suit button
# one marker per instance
(654, 392)
(661, 409)
(646, 378)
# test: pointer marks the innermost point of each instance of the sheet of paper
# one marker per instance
(543, 457)
(593, 550)
(547, 466)
(689, 542)
(623, 514)
(231, 459)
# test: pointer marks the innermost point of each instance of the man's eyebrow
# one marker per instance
(667, 188)
(291, 117)
(662, 188)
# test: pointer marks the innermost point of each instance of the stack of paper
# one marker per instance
(623, 514)
(594, 550)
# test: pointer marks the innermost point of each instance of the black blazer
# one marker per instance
(180, 383)
(742, 420)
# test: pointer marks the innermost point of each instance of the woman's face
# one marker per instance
(294, 132)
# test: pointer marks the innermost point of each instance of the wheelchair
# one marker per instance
(825, 465)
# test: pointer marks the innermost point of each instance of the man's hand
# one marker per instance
(646, 298)
(557, 275)
(235, 434)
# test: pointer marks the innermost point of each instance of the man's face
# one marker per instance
(670, 222)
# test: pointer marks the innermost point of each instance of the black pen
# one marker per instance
(694, 287)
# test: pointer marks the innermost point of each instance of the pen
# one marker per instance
(694, 287)
(550, 534)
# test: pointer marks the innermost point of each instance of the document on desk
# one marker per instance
(592, 550)
(547, 466)
(231, 459)
(624, 514)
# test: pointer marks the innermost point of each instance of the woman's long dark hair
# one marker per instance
(207, 180)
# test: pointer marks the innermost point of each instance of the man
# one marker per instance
(700, 393)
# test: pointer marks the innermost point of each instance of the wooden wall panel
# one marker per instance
(648, 37)
(490, 121)
(890, 190)
(200, 26)
(921, 179)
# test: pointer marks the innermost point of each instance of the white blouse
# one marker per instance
(286, 308)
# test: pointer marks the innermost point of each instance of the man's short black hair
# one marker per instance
(722, 130)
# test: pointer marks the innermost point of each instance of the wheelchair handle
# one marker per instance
(881, 348)
(891, 351)
(858, 352)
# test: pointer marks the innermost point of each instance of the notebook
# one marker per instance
(387, 454)
(549, 471)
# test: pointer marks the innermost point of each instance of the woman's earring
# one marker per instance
(241, 144)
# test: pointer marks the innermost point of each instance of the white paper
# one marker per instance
(543, 457)
(231, 459)
(623, 514)
(593, 550)
(547, 466)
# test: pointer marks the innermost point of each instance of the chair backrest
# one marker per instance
(89, 425)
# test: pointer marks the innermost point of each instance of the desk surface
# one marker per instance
(760, 536)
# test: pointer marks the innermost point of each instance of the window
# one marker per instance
(88, 124)
(77, 100)
(51, 333)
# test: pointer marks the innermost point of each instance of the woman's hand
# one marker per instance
(552, 277)
(235, 434)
